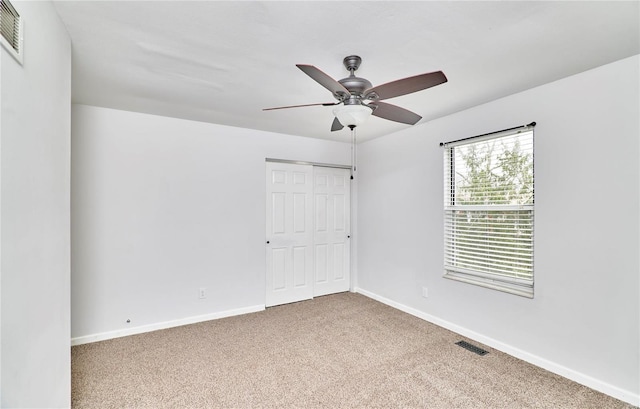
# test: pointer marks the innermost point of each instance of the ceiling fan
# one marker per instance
(359, 99)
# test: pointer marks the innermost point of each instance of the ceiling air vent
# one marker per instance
(11, 29)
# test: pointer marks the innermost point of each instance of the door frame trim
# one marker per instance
(298, 162)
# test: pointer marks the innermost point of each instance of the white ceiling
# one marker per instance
(222, 62)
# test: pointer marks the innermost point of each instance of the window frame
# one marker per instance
(522, 283)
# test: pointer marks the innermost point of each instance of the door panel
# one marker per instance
(339, 253)
(277, 214)
(279, 275)
(321, 263)
(321, 213)
(300, 270)
(332, 230)
(339, 213)
(300, 212)
(289, 233)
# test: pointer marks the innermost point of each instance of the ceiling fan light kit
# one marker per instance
(352, 115)
(357, 99)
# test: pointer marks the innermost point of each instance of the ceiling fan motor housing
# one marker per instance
(356, 85)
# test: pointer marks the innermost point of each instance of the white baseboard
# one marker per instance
(550, 366)
(86, 339)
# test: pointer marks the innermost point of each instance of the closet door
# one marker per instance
(331, 230)
(289, 233)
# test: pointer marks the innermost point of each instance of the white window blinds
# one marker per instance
(488, 211)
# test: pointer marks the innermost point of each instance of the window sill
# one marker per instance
(515, 289)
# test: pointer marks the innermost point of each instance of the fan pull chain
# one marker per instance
(353, 151)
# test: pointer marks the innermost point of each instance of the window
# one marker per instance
(11, 30)
(488, 210)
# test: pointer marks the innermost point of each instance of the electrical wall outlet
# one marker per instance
(425, 292)
(202, 293)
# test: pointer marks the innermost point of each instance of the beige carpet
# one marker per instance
(338, 351)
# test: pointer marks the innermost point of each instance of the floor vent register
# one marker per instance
(472, 348)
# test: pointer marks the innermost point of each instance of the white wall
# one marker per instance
(162, 207)
(35, 189)
(584, 320)
(1, 229)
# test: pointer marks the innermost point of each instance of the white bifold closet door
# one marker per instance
(307, 230)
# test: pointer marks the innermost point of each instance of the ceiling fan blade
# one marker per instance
(336, 125)
(406, 85)
(337, 89)
(394, 113)
(325, 104)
